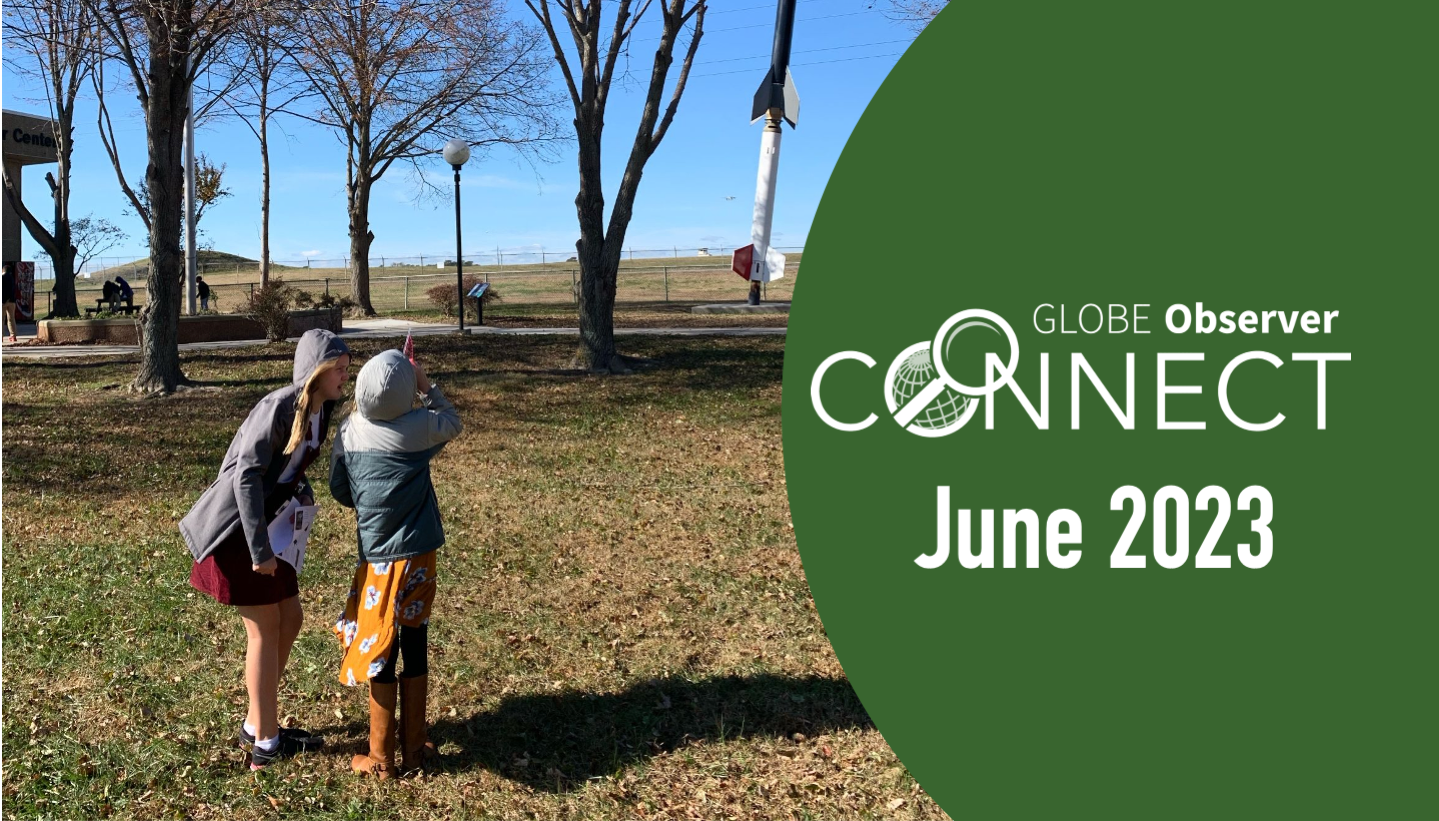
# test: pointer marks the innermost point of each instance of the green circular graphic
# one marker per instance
(1170, 552)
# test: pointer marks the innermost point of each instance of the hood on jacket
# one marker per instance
(385, 388)
(316, 346)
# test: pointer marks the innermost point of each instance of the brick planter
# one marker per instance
(328, 319)
(208, 328)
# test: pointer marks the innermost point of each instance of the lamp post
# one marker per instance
(456, 153)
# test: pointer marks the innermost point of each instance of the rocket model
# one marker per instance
(776, 99)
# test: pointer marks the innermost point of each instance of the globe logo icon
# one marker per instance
(922, 394)
(915, 371)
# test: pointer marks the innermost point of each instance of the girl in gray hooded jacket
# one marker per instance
(380, 466)
(227, 530)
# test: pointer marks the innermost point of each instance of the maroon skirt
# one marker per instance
(228, 576)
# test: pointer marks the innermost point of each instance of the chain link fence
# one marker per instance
(403, 284)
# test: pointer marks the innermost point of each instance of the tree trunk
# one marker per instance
(264, 200)
(599, 263)
(63, 303)
(159, 322)
(63, 255)
(360, 239)
(597, 313)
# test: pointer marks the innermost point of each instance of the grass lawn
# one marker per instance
(623, 628)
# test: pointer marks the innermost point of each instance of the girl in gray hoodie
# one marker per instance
(380, 466)
(227, 530)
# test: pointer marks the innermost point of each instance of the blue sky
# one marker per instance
(843, 49)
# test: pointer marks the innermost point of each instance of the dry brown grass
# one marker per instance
(623, 628)
(627, 315)
(402, 288)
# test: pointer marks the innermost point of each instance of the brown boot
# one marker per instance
(416, 749)
(381, 760)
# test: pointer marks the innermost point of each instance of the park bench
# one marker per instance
(102, 305)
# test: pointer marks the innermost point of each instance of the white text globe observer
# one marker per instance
(913, 375)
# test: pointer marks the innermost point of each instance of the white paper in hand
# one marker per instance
(290, 532)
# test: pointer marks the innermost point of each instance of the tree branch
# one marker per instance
(107, 138)
(119, 34)
(36, 228)
(674, 105)
(549, 27)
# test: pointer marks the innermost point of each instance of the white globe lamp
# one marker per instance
(456, 153)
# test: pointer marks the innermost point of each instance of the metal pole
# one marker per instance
(191, 292)
(667, 283)
(407, 293)
(459, 254)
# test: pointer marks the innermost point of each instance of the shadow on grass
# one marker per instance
(557, 742)
(21, 365)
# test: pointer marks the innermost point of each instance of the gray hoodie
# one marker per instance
(380, 463)
(252, 467)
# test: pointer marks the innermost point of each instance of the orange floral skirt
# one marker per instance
(384, 596)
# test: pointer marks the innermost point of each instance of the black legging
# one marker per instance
(414, 645)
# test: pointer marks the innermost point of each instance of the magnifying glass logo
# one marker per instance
(940, 353)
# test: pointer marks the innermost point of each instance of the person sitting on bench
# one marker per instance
(110, 294)
(126, 292)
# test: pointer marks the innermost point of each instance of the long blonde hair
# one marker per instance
(306, 403)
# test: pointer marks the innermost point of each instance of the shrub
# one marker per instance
(443, 296)
(304, 299)
(271, 306)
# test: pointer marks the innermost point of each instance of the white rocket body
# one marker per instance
(776, 101)
(766, 264)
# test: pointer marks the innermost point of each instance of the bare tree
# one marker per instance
(268, 84)
(164, 44)
(397, 77)
(915, 13)
(53, 41)
(588, 73)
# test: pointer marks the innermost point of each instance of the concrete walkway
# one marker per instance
(361, 329)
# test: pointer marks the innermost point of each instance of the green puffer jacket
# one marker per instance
(380, 463)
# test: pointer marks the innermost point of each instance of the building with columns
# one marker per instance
(27, 139)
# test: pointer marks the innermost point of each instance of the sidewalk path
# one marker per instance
(365, 329)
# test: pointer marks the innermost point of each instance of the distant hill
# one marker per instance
(206, 259)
